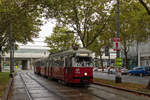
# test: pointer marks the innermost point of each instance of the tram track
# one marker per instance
(92, 91)
(92, 94)
(41, 85)
(26, 89)
(46, 87)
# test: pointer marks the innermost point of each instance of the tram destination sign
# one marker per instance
(82, 54)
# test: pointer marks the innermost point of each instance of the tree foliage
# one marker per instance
(86, 17)
(134, 24)
(103, 41)
(146, 5)
(61, 39)
(24, 16)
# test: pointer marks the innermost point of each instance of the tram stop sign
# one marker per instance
(116, 44)
(118, 62)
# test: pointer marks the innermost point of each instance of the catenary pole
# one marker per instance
(117, 77)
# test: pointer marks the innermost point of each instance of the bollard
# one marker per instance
(118, 79)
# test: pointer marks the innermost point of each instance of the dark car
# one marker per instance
(142, 71)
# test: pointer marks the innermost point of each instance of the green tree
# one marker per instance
(145, 4)
(87, 18)
(98, 46)
(24, 19)
(134, 25)
(60, 40)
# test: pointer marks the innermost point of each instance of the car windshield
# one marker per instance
(147, 68)
(80, 61)
(138, 68)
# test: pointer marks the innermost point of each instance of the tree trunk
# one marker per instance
(101, 60)
(137, 50)
(109, 59)
(126, 59)
(125, 50)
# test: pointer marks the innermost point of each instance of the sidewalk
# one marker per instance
(31, 90)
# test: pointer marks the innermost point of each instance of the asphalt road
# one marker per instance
(125, 78)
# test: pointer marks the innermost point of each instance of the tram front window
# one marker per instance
(82, 61)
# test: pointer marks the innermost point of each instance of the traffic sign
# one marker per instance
(116, 44)
(118, 62)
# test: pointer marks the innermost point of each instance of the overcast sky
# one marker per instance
(46, 30)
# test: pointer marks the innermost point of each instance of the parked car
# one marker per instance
(142, 71)
(95, 69)
(112, 70)
(124, 71)
(99, 69)
(106, 70)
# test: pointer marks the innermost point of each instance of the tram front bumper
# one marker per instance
(84, 79)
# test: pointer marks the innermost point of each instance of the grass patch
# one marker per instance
(4, 79)
(130, 86)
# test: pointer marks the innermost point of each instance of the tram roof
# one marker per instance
(71, 51)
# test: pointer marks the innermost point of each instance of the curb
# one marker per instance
(5, 97)
(123, 89)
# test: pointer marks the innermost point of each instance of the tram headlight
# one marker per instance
(85, 74)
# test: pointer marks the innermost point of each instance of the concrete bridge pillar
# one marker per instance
(29, 64)
(24, 65)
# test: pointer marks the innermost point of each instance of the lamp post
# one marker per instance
(117, 77)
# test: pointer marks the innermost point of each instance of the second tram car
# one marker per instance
(72, 66)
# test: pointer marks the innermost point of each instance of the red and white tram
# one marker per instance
(72, 66)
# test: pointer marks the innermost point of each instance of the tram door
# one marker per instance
(68, 69)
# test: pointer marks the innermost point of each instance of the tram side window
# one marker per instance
(52, 63)
(55, 62)
(46, 63)
(42, 63)
(68, 62)
(38, 63)
(61, 62)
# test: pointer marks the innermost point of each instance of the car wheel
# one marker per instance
(141, 75)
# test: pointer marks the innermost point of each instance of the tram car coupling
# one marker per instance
(72, 66)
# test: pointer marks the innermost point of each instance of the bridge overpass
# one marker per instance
(26, 56)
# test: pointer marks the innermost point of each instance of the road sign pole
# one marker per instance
(117, 77)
